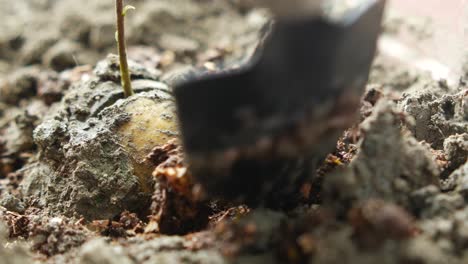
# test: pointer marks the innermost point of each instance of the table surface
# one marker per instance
(449, 42)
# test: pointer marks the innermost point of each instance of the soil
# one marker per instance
(88, 176)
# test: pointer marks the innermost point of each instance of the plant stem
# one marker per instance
(124, 72)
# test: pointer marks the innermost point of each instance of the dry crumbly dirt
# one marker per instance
(89, 177)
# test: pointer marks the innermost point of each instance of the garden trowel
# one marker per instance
(255, 134)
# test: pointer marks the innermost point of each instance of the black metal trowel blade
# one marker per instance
(303, 67)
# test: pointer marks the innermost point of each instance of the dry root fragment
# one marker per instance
(231, 213)
(18, 224)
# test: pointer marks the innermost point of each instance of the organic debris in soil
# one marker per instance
(127, 225)
(49, 236)
(342, 155)
(18, 224)
(230, 213)
(57, 236)
(176, 207)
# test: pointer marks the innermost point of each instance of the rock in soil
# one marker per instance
(92, 148)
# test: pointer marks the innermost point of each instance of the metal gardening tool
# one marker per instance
(256, 134)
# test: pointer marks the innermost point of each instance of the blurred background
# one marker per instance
(60, 34)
